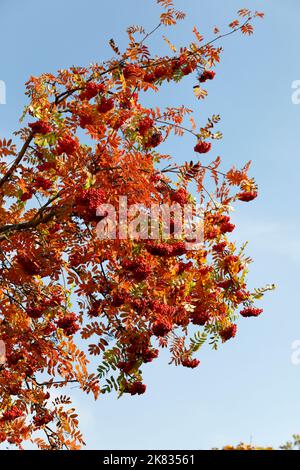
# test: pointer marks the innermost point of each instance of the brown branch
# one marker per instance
(11, 170)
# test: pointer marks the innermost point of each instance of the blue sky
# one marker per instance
(249, 388)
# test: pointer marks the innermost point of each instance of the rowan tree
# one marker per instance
(86, 140)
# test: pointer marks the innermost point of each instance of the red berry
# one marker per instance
(43, 419)
(105, 105)
(149, 354)
(161, 328)
(226, 284)
(87, 201)
(247, 196)
(219, 247)
(68, 324)
(42, 183)
(91, 90)
(25, 196)
(202, 147)
(251, 312)
(153, 141)
(139, 267)
(199, 317)
(86, 120)
(227, 227)
(207, 75)
(41, 127)
(34, 312)
(191, 363)
(67, 145)
(159, 249)
(228, 332)
(181, 196)
(28, 265)
(144, 125)
(13, 413)
(131, 71)
(137, 388)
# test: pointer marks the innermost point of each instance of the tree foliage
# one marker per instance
(87, 139)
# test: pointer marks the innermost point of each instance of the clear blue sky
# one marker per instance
(249, 387)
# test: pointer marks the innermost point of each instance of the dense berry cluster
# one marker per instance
(68, 324)
(139, 267)
(202, 147)
(10, 415)
(87, 201)
(28, 264)
(135, 388)
(207, 75)
(181, 196)
(105, 105)
(34, 312)
(199, 316)
(41, 127)
(251, 312)
(67, 145)
(166, 249)
(190, 363)
(43, 419)
(247, 196)
(91, 90)
(154, 140)
(42, 183)
(131, 71)
(228, 332)
(145, 125)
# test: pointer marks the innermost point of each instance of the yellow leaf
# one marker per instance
(173, 48)
(199, 92)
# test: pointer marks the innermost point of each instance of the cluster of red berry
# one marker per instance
(105, 105)
(153, 140)
(119, 298)
(43, 419)
(251, 312)
(199, 316)
(87, 201)
(29, 265)
(202, 147)
(206, 75)
(68, 324)
(247, 196)
(191, 363)
(183, 267)
(139, 267)
(91, 90)
(161, 328)
(228, 332)
(67, 145)
(181, 196)
(132, 71)
(135, 388)
(41, 127)
(145, 125)
(13, 413)
(219, 247)
(166, 249)
(42, 183)
(86, 119)
(163, 71)
(34, 312)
